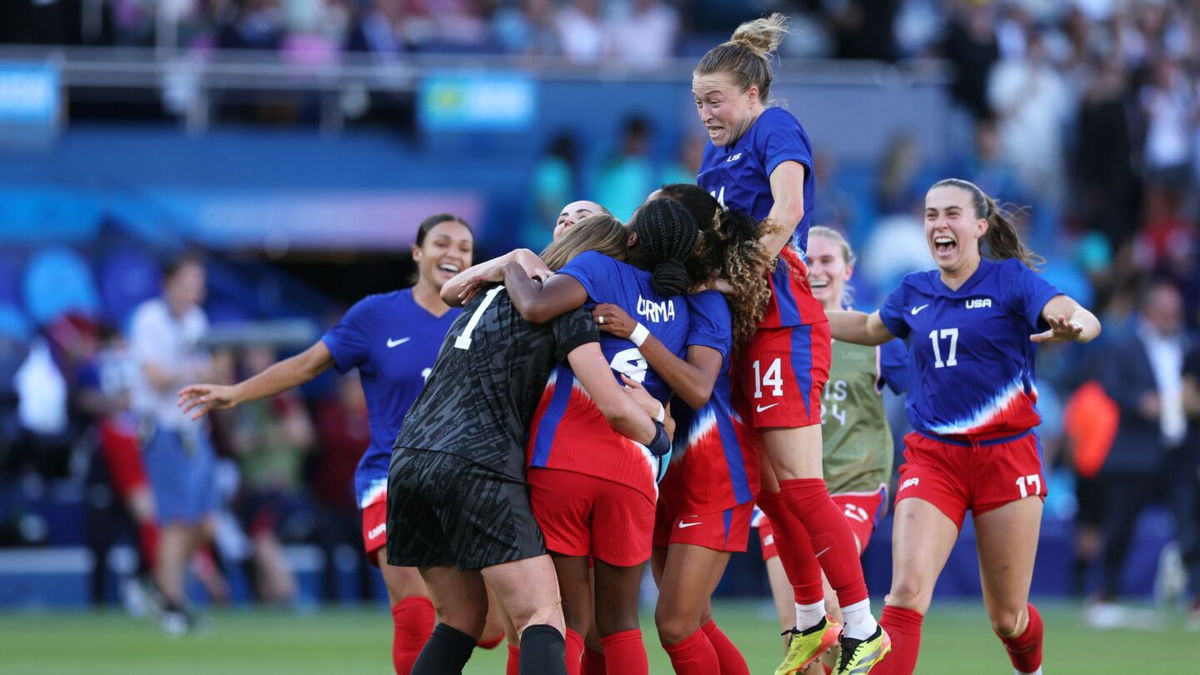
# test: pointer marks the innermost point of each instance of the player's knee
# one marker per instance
(611, 623)
(469, 620)
(549, 614)
(673, 627)
(1009, 622)
(909, 592)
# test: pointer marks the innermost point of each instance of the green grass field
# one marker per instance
(957, 640)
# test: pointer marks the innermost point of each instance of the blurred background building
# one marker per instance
(298, 143)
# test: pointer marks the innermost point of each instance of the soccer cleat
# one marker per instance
(860, 656)
(804, 647)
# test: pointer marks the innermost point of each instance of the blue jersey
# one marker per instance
(629, 287)
(715, 465)
(393, 342)
(739, 175)
(971, 363)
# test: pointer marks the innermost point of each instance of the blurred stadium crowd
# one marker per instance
(1084, 113)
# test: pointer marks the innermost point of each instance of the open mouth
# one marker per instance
(818, 283)
(449, 269)
(944, 245)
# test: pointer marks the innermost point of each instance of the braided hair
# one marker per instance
(666, 235)
(728, 248)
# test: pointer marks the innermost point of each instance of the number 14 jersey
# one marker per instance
(971, 363)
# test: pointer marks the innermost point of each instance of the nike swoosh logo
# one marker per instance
(823, 552)
(765, 407)
(917, 309)
(397, 343)
(683, 525)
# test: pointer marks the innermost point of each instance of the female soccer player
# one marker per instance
(707, 496)
(392, 339)
(759, 161)
(857, 454)
(973, 326)
(458, 505)
(593, 492)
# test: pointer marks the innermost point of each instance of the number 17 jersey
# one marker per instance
(971, 363)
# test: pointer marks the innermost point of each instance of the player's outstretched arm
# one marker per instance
(198, 399)
(691, 380)
(539, 302)
(1069, 322)
(858, 327)
(622, 411)
(460, 288)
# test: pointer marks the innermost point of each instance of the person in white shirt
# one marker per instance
(164, 339)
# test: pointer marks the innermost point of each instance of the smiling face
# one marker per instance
(446, 251)
(828, 271)
(953, 229)
(725, 109)
(573, 213)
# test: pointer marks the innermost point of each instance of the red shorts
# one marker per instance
(862, 510)
(374, 527)
(726, 530)
(583, 515)
(982, 476)
(782, 375)
(122, 450)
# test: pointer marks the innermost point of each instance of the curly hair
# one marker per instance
(728, 249)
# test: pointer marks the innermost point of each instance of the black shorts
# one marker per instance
(444, 510)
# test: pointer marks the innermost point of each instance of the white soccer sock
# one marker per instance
(860, 624)
(808, 616)
(1036, 672)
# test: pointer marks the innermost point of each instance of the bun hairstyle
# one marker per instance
(747, 55)
(666, 235)
(1001, 237)
(728, 248)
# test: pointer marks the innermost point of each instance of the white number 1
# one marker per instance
(951, 333)
(464, 341)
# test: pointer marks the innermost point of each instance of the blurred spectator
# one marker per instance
(374, 30)
(970, 45)
(526, 27)
(627, 176)
(1031, 103)
(832, 207)
(643, 33)
(1143, 375)
(1108, 189)
(1168, 103)
(164, 340)
(555, 182)
(686, 163)
(899, 190)
(1187, 493)
(271, 437)
(580, 31)
(864, 28)
(253, 24)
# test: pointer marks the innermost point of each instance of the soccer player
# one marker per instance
(973, 326)
(758, 161)
(392, 339)
(459, 508)
(179, 460)
(593, 492)
(574, 212)
(706, 498)
(857, 456)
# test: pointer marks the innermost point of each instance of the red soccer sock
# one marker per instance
(795, 552)
(148, 544)
(829, 535)
(904, 628)
(574, 651)
(625, 653)
(731, 659)
(514, 660)
(1025, 650)
(694, 655)
(413, 619)
(490, 644)
(593, 663)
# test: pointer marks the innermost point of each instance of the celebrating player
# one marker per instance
(759, 161)
(457, 494)
(973, 326)
(392, 339)
(593, 492)
(857, 457)
(707, 496)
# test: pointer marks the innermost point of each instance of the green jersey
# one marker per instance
(857, 441)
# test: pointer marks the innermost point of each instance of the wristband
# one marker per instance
(639, 335)
(662, 413)
(661, 444)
